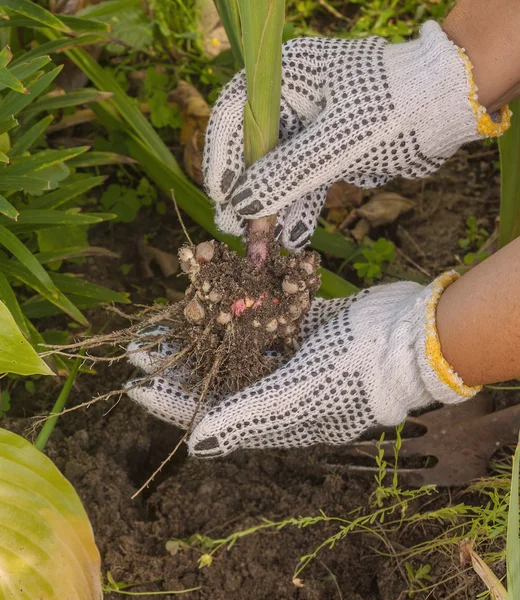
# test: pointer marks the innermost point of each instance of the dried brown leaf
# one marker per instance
(469, 556)
(196, 114)
(384, 208)
(343, 195)
(214, 38)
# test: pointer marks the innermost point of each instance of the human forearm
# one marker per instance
(488, 31)
(478, 320)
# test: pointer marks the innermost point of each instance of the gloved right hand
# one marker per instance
(363, 111)
(365, 360)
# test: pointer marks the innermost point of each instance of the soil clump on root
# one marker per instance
(234, 312)
(235, 323)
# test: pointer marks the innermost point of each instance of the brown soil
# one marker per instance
(108, 454)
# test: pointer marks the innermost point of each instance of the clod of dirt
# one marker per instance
(233, 312)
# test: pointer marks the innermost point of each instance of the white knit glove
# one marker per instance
(364, 360)
(363, 111)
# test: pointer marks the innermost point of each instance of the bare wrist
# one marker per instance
(487, 30)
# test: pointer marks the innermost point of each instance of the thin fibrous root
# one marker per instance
(161, 369)
(207, 382)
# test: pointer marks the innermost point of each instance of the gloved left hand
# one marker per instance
(365, 360)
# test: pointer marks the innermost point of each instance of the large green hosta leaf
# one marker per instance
(47, 548)
(16, 354)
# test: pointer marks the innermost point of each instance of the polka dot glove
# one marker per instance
(364, 360)
(363, 111)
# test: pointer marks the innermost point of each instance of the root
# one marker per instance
(205, 388)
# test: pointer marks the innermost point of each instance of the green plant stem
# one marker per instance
(261, 34)
(50, 424)
(509, 145)
(513, 541)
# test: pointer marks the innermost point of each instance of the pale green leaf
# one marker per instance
(16, 353)
(47, 546)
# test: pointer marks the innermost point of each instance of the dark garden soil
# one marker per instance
(108, 451)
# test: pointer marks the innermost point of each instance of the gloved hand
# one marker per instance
(363, 111)
(364, 360)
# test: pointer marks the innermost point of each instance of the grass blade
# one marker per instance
(67, 192)
(52, 103)
(24, 165)
(7, 124)
(13, 103)
(513, 532)
(59, 45)
(30, 137)
(131, 114)
(55, 218)
(7, 209)
(228, 11)
(30, 272)
(37, 13)
(26, 69)
(82, 25)
(98, 159)
(85, 289)
(28, 184)
(8, 80)
(509, 145)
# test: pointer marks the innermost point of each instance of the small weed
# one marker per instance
(120, 587)
(418, 579)
(377, 257)
(474, 238)
(126, 202)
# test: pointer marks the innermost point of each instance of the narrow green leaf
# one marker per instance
(82, 25)
(46, 540)
(59, 45)
(29, 138)
(13, 103)
(8, 80)
(97, 159)
(67, 192)
(104, 80)
(37, 13)
(46, 158)
(75, 98)
(27, 259)
(26, 69)
(5, 56)
(229, 15)
(38, 308)
(75, 252)
(23, 274)
(334, 243)
(25, 256)
(56, 217)
(80, 287)
(509, 145)
(513, 532)
(7, 209)
(7, 124)
(11, 301)
(106, 9)
(16, 353)
(29, 184)
(3, 158)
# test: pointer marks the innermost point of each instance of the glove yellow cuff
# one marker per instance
(438, 363)
(486, 126)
